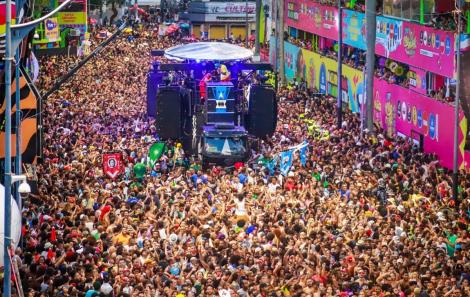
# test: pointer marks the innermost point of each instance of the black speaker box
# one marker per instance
(169, 113)
(262, 111)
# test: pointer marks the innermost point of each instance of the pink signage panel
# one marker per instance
(416, 45)
(312, 17)
(417, 80)
(410, 43)
(401, 111)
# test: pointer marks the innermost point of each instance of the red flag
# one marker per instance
(53, 237)
(50, 254)
(238, 165)
(112, 164)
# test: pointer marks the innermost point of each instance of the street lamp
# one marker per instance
(266, 15)
(14, 34)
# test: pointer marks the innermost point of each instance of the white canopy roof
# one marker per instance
(208, 51)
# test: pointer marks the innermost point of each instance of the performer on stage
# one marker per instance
(224, 73)
(202, 85)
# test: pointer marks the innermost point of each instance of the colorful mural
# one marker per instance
(321, 73)
(400, 110)
(396, 109)
(410, 43)
(291, 55)
(309, 16)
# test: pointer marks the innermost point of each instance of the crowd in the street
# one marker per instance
(368, 215)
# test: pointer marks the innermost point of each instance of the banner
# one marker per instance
(286, 161)
(291, 54)
(419, 114)
(321, 73)
(51, 27)
(112, 164)
(313, 17)
(400, 111)
(407, 42)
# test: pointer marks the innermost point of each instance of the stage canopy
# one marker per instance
(208, 51)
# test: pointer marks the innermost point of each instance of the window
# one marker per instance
(224, 146)
(292, 11)
(409, 9)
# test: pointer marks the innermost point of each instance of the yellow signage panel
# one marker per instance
(72, 18)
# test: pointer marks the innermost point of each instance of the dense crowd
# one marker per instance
(368, 215)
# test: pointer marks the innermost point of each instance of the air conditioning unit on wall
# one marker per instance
(74, 32)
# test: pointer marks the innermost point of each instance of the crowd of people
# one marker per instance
(368, 215)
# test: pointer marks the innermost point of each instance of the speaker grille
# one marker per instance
(169, 109)
(262, 109)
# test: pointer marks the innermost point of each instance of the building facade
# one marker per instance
(415, 51)
(218, 20)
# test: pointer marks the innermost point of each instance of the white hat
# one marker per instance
(106, 288)
(401, 208)
(173, 238)
(48, 245)
(440, 216)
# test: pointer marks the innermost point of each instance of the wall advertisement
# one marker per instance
(396, 109)
(410, 43)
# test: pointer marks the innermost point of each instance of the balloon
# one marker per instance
(156, 151)
(15, 223)
(139, 170)
(336, 47)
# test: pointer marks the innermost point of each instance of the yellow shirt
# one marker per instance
(121, 238)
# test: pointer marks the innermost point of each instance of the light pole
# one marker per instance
(280, 37)
(246, 23)
(13, 37)
(258, 27)
(455, 176)
(370, 60)
(340, 66)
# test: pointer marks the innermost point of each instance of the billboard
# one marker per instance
(406, 42)
(51, 28)
(396, 109)
(312, 17)
(400, 110)
(74, 16)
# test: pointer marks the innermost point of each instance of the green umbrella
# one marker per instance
(139, 170)
(155, 152)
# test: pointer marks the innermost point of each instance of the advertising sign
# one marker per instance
(112, 164)
(404, 111)
(74, 16)
(417, 80)
(396, 109)
(291, 53)
(413, 44)
(416, 45)
(313, 17)
(51, 27)
(222, 7)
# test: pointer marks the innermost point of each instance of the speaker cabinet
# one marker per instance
(262, 111)
(169, 113)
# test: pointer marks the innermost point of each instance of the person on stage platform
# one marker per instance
(225, 75)
(203, 84)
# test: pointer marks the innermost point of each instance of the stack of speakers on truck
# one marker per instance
(174, 112)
